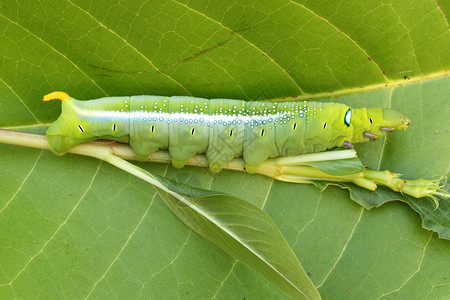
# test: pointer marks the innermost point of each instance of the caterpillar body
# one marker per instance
(220, 128)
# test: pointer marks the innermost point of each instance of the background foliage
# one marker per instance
(73, 227)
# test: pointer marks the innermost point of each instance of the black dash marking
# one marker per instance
(192, 131)
(114, 127)
(324, 125)
(81, 128)
(231, 132)
(152, 129)
(294, 126)
(370, 119)
(262, 132)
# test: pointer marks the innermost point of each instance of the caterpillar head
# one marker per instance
(372, 123)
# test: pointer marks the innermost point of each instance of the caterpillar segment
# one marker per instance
(220, 128)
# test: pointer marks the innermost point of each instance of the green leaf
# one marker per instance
(339, 167)
(73, 227)
(236, 226)
(247, 233)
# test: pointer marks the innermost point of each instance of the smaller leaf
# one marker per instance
(432, 219)
(339, 167)
(239, 228)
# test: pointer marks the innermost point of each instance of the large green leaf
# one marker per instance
(72, 227)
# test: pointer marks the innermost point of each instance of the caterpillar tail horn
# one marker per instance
(57, 135)
(63, 96)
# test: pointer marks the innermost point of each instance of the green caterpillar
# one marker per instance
(220, 128)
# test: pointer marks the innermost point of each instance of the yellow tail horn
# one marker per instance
(56, 95)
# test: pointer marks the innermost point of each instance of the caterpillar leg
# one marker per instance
(369, 135)
(143, 149)
(216, 167)
(180, 155)
(178, 163)
(251, 168)
(218, 159)
(348, 145)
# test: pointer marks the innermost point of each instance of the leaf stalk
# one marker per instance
(289, 169)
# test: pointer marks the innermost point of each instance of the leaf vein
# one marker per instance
(419, 266)
(225, 279)
(444, 17)
(129, 45)
(56, 51)
(21, 101)
(385, 137)
(60, 226)
(344, 248)
(23, 182)
(126, 243)
(344, 34)
(246, 40)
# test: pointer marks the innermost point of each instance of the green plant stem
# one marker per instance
(417, 188)
(314, 157)
(305, 174)
(290, 169)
